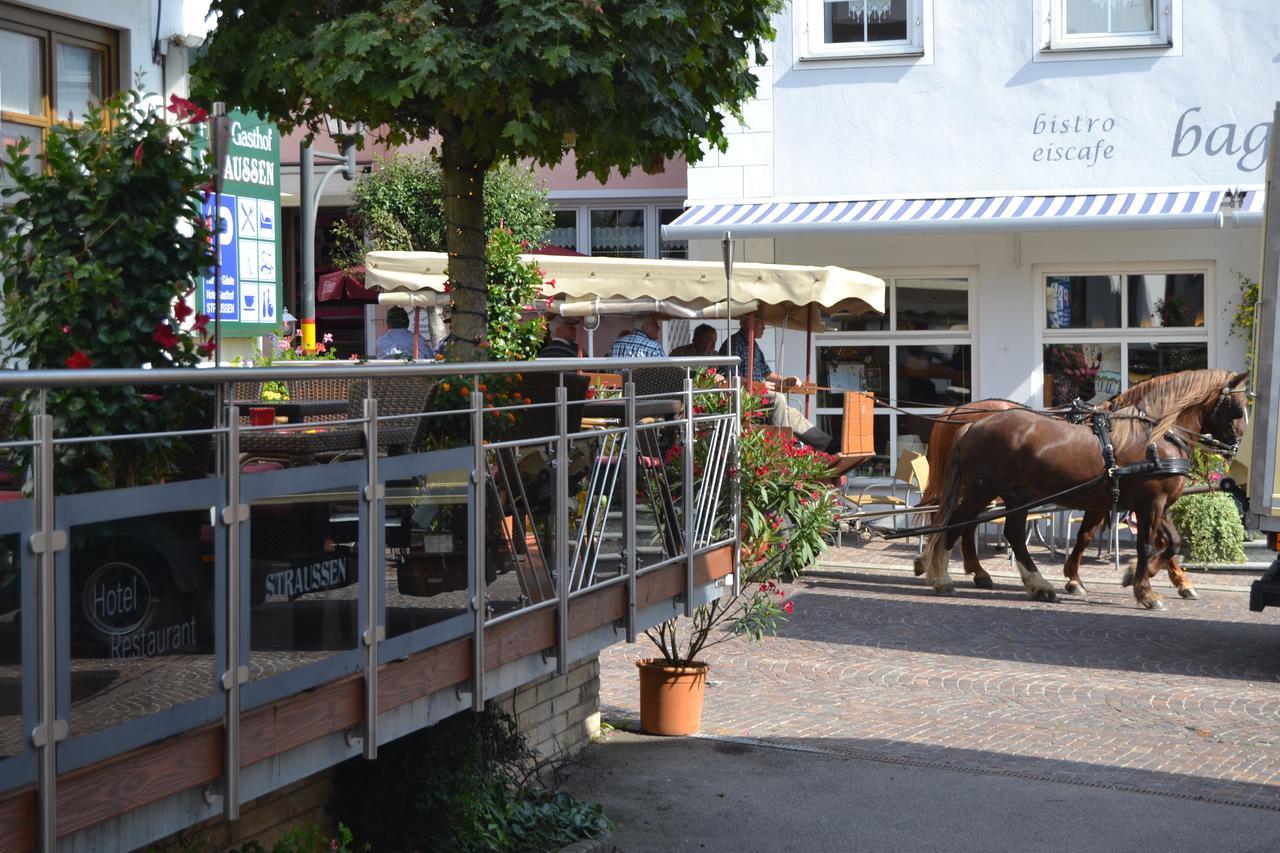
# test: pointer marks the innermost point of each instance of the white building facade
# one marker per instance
(1062, 194)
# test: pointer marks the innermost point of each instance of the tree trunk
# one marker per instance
(463, 179)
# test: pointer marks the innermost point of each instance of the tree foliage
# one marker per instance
(97, 252)
(623, 83)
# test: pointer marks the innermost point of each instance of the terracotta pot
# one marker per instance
(671, 697)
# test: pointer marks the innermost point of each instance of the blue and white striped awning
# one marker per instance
(1203, 208)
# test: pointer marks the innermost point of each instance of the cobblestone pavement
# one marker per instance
(1091, 690)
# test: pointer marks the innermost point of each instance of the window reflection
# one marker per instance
(933, 375)
(1166, 301)
(1090, 372)
(932, 304)
(1083, 302)
(1148, 360)
(79, 80)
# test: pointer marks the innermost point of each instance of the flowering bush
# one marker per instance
(100, 247)
(457, 392)
(289, 348)
(787, 509)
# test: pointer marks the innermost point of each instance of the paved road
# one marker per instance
(1094, 693)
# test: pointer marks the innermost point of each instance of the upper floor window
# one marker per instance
(840, 29)
(51, 70)
(1098, 24)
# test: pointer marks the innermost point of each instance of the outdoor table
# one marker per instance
(617, 409)
(295, 410)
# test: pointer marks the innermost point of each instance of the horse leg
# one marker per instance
(1088, 527)
(1177, 576)
(1148, 524)
(972, 566)
(938, 552)
(1015, 530)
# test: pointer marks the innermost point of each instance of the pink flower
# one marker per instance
(137, 155)
(79, 361)
(321, 347)
(328, 338)
(66, 330)
(788, 608)
(299, 351)
(153, 398)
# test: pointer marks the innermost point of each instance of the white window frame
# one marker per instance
(893, 338)
(650, 202)
(1122, 335)
(811, 46)
(1056, 39)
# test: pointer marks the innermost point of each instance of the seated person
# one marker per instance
(703, 343)
(781, 414)
(398, 341)
(643, 341)
(562, 339)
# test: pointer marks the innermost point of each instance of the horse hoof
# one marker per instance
(984, 582)
(1046, 595)
(945, 589)
(919, 566)
(1188, 592)
(1153, 604)
(1075, 588)
(1127, 578)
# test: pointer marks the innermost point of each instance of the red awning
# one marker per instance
(344, 286)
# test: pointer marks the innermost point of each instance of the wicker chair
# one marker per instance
(320, 387)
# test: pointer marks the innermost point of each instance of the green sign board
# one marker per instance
(248, 231)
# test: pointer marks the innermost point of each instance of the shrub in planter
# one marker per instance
(1210, 527)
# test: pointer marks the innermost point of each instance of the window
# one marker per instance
(1100, 24)
(1106, 331)
(564, 231)
(51, 70)
(618, 233)
(842, 29)
(678, 249)
(918, 356)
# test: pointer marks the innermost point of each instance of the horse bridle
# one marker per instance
(1210, 442)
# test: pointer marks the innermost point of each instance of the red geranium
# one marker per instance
(79, 361)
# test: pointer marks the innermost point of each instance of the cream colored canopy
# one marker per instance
(780, 289)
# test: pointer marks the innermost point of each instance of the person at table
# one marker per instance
(703, 343)
(781, 412)
(562, 339)
(643, 341)
(398, 341)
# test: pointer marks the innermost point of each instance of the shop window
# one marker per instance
(1101, 24)
(918, 357)
(51, 70)
(618, 233)
(844, 29)
(1105, 332)
(678, 249)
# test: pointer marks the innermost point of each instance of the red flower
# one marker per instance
(320, 348)
(182, 108)
(79, 361)
(153, 398)
(207, 348)
(202, 320)
(788, 608)
(181, 310)
(165, 336)
(66, 330)
(137, 155)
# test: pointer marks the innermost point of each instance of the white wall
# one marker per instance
(964, 117)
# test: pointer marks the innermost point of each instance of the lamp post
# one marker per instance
(310, 202)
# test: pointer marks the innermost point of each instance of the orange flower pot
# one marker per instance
(671, 697)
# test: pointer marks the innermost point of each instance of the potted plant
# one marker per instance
(786, 511)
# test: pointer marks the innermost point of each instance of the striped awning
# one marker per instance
(1196, 208)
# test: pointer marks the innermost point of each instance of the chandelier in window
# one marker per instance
(875, 10)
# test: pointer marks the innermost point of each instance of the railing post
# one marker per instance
(374, 630)
(687, 493)
(233, 515)
(735, 497)
(629, 506)
(562, 528)
(46, 541)
(478, 602)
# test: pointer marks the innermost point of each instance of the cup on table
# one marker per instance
(262, 416)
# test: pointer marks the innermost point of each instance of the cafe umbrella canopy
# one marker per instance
(780, 294)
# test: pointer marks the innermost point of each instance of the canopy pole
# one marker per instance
(726, 249)
(808, 357)
(417, 332)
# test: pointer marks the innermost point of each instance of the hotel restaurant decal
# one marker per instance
(248, 233)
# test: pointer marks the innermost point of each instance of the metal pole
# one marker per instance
(686, 494)
(478, 602)
(307, 200)
(45, 542)
(735, 499)
(629, 505)
(562, 528)
(374, 493)
(233, 515)
(218, 135)
(726, 249)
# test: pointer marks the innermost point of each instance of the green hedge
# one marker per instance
(1210, 527)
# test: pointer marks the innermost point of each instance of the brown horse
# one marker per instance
(944, 434)
(1021, 456)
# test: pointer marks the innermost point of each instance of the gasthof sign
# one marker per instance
(247, 231)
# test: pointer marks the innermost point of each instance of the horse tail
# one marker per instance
(941, 438)
(934, 561)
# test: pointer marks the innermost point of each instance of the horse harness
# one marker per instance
(1153, 467)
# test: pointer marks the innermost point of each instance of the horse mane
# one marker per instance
(1163, 399)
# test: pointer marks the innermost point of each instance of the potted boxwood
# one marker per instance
(787, 509)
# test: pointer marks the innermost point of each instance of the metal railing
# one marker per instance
(161, 608)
